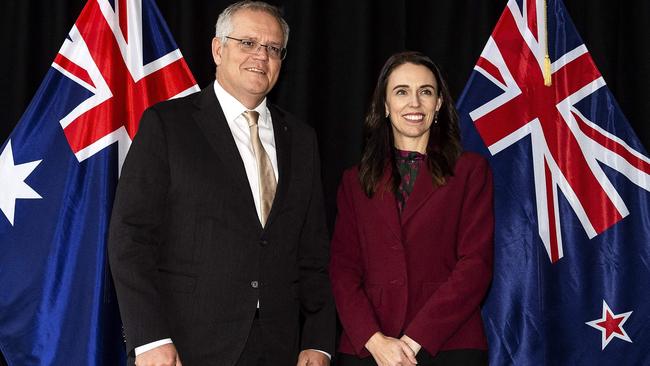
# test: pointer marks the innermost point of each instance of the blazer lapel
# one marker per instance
(212, 122)
(282, 135)
(422, 191)
(386, 204)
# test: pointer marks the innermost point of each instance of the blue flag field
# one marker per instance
(58, 171)
(572, 247)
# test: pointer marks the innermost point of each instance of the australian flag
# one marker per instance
(58, 172)
(572, 268)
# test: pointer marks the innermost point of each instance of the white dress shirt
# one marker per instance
(238, 125)
(233, 110)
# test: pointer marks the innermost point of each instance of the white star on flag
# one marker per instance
(611, 325)
(12, 182)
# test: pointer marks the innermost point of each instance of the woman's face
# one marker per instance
(412, 101)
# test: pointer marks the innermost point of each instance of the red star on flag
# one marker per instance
(611, 325)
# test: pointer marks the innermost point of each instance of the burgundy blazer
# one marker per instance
(423, 273)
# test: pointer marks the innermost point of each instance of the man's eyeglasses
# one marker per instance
(254, 47)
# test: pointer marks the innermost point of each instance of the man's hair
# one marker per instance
(224, 25)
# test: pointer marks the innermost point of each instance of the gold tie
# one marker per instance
(265, 175)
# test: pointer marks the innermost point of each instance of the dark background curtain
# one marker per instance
(336, 49)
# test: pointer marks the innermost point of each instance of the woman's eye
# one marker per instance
(400, 92)
(426, 92)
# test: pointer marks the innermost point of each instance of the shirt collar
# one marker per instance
(232, 108)
(405, 155)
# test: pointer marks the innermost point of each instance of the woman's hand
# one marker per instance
(415, 346)
(388, 351)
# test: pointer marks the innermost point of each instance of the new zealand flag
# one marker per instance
(58, 171)
(572, 268)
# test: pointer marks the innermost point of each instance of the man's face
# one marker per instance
(248, 77)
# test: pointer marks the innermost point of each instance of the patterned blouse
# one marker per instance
(408, 165)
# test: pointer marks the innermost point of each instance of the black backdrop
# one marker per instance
(336, 49)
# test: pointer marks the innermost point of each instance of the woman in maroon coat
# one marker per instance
(411, 257)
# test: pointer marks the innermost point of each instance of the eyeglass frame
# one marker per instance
(282, 50)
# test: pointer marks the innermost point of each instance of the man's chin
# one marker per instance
(258, 91)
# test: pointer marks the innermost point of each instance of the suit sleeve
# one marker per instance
(460, 296)
(346, 271)
(135, 234)
(317, 303)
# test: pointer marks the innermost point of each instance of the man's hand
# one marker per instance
(388, 351)
(310, 357)
(415, 346)
(164, 355)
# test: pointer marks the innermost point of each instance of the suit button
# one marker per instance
(264, 243)
(254, 284)
(397, 282)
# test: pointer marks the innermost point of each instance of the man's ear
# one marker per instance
(217, 48)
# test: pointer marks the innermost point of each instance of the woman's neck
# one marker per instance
(412, 144)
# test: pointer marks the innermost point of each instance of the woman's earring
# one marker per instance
(435, 118)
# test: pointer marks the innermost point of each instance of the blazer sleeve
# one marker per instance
(135, 233)
(317, 302)
(460, 296)
(346, 271)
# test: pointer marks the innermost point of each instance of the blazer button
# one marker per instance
(263, 243)
(254, 284)
(398, 281)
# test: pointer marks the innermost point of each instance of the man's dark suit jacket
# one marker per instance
(188, 254)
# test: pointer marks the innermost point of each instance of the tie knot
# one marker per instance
(251, 117)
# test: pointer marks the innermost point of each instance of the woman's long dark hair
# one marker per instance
(443, 148)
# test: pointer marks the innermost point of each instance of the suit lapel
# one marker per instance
(422, 191)
(386, 204)
(212, 122)
(282, 135)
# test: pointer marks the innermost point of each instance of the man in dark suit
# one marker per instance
(218, 240)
